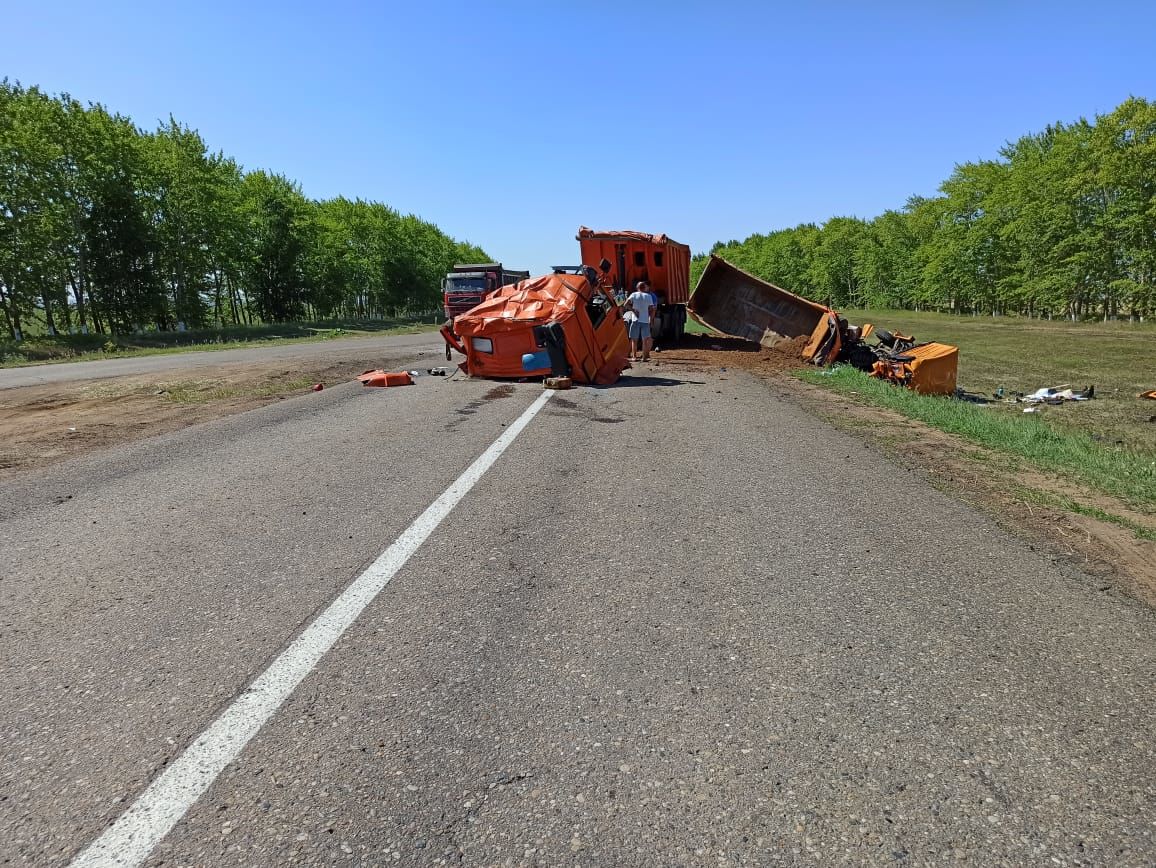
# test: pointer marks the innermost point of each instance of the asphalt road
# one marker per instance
(679, 621)
(65, 372)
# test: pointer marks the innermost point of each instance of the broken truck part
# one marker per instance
(385, 378)
(929, 369)
(559, 325)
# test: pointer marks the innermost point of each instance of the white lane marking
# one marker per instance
(139, 829)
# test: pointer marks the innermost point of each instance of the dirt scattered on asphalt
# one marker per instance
(503, 391)
(707, 352)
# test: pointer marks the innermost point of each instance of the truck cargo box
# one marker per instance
(729, 300)
(635, 256)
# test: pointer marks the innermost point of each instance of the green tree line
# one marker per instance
(108, 228)
(1061, 224)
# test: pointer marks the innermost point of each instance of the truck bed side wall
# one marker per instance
(666, 266)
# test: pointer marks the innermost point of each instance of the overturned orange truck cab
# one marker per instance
(561, 325)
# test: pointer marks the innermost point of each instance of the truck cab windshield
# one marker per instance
(467, 284)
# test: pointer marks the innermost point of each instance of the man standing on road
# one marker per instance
(643, 304)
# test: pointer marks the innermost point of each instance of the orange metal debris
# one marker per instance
(929, 369)
(386, 378)
(826, 341)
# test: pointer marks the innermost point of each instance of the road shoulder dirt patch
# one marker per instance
(43, 424)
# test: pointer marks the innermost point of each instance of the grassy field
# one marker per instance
(693, 328)
(1124, 473)
(71, 348)
(1020, 355)
(1108, 444)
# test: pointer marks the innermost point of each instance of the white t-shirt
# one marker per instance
(642, 302)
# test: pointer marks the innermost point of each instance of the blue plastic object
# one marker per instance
(535, 361)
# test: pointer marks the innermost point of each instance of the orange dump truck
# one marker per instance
(562, 325)
(625, 257)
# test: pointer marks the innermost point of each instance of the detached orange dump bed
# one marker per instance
(729, 300)
(561, 324)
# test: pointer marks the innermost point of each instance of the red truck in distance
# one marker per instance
(466, 286)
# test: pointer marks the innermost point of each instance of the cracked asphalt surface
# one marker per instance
(680, 621)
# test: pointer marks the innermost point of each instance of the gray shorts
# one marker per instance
(639, 330)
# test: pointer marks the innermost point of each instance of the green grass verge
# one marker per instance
(693, 328)
(71, 348)
(1120, 472)
(1045, 498)
(1021, 355)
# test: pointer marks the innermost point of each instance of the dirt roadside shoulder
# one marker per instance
(43, 424)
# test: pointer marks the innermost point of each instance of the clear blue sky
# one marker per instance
(510, 124)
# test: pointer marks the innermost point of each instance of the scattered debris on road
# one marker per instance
(386, 378)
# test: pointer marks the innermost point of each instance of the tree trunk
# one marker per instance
(78, 294)
(217, 298)
(48, 318)
(82, 287)
(10, 318)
